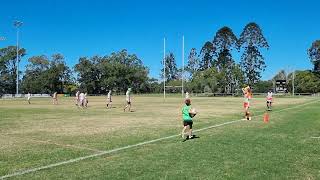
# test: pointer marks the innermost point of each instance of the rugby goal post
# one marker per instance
(164, 70)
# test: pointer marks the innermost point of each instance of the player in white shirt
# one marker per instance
(109, 100)
(81, 99)
(29, 97)
(128, 100)
(77, 98)
(85, 100)
(55, 98)
(269, 100)
(187, 95)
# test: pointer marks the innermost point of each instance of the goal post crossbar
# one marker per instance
(164, 70)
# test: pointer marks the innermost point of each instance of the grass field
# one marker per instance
(45, 136)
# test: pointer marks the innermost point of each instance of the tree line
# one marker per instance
(214, 69)
(211, 69)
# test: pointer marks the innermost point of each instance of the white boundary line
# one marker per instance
(315, 137)
(22, 172)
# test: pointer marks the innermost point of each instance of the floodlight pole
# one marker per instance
(293, 74)
(164, 68)
(17, 24)
(182, 77)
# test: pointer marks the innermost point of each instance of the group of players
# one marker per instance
(81, 99)
(188, 112)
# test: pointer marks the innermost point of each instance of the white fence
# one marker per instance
(9, 96)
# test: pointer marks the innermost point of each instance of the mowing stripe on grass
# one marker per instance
(56, 144)
(22, 172)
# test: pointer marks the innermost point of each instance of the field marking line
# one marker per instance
(315, 137)
(22, 172)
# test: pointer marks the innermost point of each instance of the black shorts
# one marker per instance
(188, 123)
(128, 102)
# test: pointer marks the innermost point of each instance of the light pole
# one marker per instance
(17, 24)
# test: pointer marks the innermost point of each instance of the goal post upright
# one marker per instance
(182, 74)
(164, 68)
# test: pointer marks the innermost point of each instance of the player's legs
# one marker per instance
(183, 131)
(247, 113)
(77, 101)
(125, 108)
(86, 102)
(109, 103)
(128, 105)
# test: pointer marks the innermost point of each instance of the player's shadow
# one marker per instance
(111, 107)
(193, 137)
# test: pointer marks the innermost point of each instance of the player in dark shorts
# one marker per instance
(187, 120)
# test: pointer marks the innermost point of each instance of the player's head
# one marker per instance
(188, 102)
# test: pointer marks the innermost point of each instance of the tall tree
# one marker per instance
(35, 77)
(193, 62)
(225, 41)
(117, 72)
(44, 75)
(207, 53)
(252, 62)
(87, 74)
(170, 67)
(281, 75)
(314, 55)
(8, 68)
(59, 73)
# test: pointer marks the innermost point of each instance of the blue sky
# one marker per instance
(87, 28)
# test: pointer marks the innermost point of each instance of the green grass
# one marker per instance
(41, 134)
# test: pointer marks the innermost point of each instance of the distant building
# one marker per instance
(281, 86)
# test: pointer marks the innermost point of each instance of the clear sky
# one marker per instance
(79, 28)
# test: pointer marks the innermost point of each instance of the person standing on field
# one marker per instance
(77, 98)
(187, 95)
(81, 99)
(269, 99)
(109, 100)
(187, 120)
(85, 100)
(247, 93)
(128, 100)
(55, 98)
(29, 97)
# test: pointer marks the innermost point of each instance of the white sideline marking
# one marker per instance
(22, 172)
